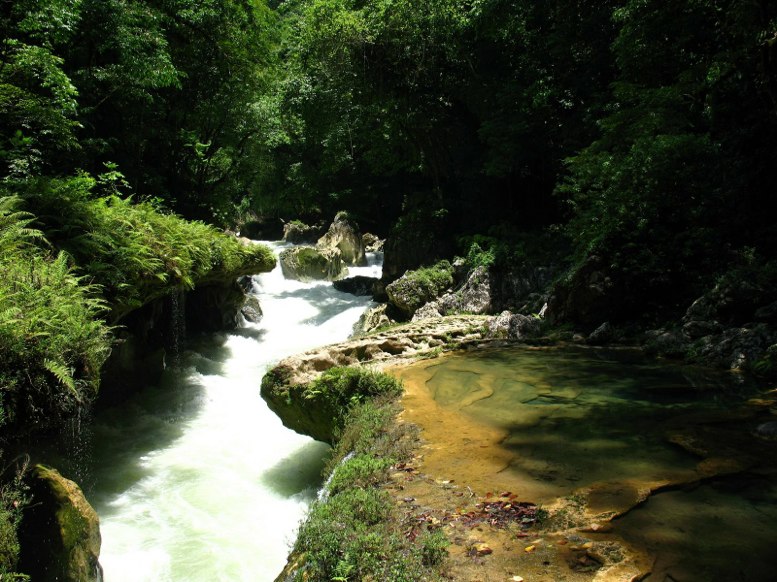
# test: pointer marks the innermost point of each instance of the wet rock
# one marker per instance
(312, 264)
(252, 309)
(372, 244)
(210, 308)
(343, 236)
(358, 285)
(60, 532)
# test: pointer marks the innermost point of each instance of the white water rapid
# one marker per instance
(196, 480)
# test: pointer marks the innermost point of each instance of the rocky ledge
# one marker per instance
(284, 387)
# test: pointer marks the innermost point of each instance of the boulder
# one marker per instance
(372, 319)
(473, 297)
(416, 288)
(587, 297)
(298, 233)
(429, 311)
(522, 287)
(312, 264)
(507, 325)
(499, 326)
(343, 235)
(372, 244)
(358, 285)
(252, 309)
(524, 327)
(262, 229)
(601, 335)
(60, 532)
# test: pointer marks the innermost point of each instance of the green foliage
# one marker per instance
(131, 249)
(357, 533)
(343, 387)
(359, 471)
(672, 184)
(52, 341)
(13, 499)
(477, 257)
(436, 278)
(434, 547)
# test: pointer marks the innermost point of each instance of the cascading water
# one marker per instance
(197, 479)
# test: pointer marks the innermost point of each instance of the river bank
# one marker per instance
(462, 466)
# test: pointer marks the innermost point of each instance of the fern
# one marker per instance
(63, 374)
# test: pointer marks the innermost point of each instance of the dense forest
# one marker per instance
(633, 138)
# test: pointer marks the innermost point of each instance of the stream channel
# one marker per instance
(196, 479)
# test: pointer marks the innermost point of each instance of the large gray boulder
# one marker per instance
(343, 236)
(312, 264)
(473, 297)
(60, 532)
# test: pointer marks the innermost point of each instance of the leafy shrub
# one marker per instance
(359, 471)
(342, 387)
(357, 533)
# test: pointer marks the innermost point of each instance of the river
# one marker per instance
(196, 479)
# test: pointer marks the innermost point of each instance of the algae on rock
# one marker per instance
(60, 531)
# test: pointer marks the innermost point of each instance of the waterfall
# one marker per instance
(176, 333)
(196, 479)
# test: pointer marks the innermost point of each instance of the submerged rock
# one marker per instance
(312, 264)
(60, 531)
(767, 431)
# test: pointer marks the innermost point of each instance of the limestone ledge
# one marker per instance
(283, 387)
(392, 346)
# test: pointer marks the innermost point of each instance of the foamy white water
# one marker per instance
(197, 480)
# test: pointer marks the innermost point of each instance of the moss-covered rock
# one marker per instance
(416, 288)
(318, 408)
(60, 531)
(297, 232)
(312, 264)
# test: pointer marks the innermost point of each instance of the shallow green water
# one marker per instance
(591, 418)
